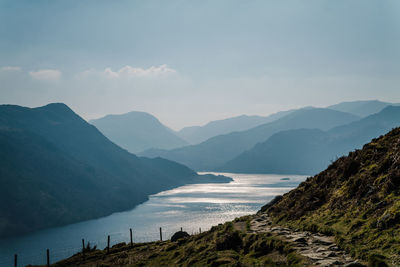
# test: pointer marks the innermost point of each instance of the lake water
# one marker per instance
(190, 207)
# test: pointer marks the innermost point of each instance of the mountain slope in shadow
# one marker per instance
(197, 134)
(218, 150)
(55, 169)
(308, 151)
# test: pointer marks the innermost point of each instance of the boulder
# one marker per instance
(179, 235)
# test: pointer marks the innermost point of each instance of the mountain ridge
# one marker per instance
(198, 134)
(219, 149)
(308, 151)
(58, 169)
(362, 108)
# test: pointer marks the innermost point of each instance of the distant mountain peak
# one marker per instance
(137, 131)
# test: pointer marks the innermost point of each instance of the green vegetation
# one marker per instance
(356, 199)
(223, 245)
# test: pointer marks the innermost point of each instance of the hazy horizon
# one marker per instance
(190, 62)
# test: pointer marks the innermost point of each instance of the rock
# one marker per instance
(322, 240)
(300, 240)
(179, 235)
(313, 256)
(332, 254)
(320, 250)
(325, 262)
(355, 264)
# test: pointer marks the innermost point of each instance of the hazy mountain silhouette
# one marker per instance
(362, 108)
(138, 131)
(57, 169)
(308, 151)
(219, 149)
(197, 134)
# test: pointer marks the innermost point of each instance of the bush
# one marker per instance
(376, 260)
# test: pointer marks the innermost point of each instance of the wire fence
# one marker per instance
(39, 257)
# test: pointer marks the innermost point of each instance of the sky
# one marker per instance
(188, 62)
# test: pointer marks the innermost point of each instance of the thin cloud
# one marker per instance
(129, 71)
(46, 75)
(10, 68)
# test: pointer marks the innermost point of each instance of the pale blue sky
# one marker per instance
(192, 61)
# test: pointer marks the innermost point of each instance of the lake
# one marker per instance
(191, 207)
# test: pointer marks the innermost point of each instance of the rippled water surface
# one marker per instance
(191, 207)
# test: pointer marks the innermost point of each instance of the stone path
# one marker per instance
(320, 249)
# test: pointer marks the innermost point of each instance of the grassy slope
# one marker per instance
(357, 199)
(223, 245)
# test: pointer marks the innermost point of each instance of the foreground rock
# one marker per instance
(320, 249)
(179, 235)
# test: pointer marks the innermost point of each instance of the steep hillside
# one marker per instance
(138, 131)
(55, 169)
(308, 151)
(361, 108)
(218, 150)
(356, 199)
(223, 245)
(301, 151)
(197, 134)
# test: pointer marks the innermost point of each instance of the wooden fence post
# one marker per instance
(15, 260)
(160, 234)
(83, 246)
(108, 244)
(130, 230)
(181, 229)
(48, 257)
(200, 230)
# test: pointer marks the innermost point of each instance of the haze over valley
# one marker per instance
(199, 133)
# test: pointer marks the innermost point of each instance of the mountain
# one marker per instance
(356, 199)
(362, 108)
(308, 151)
(299, 151)
(138, 131)
(197, 134)
(56, 169)
(218, 150)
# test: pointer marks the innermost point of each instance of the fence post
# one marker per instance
(160, 234)
(15, 260)
(200, 230)
(83, 246)
(48, 257)
(108, 244)
(130, 230)
(181, 229)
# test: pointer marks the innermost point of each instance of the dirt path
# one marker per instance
(320, 249)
